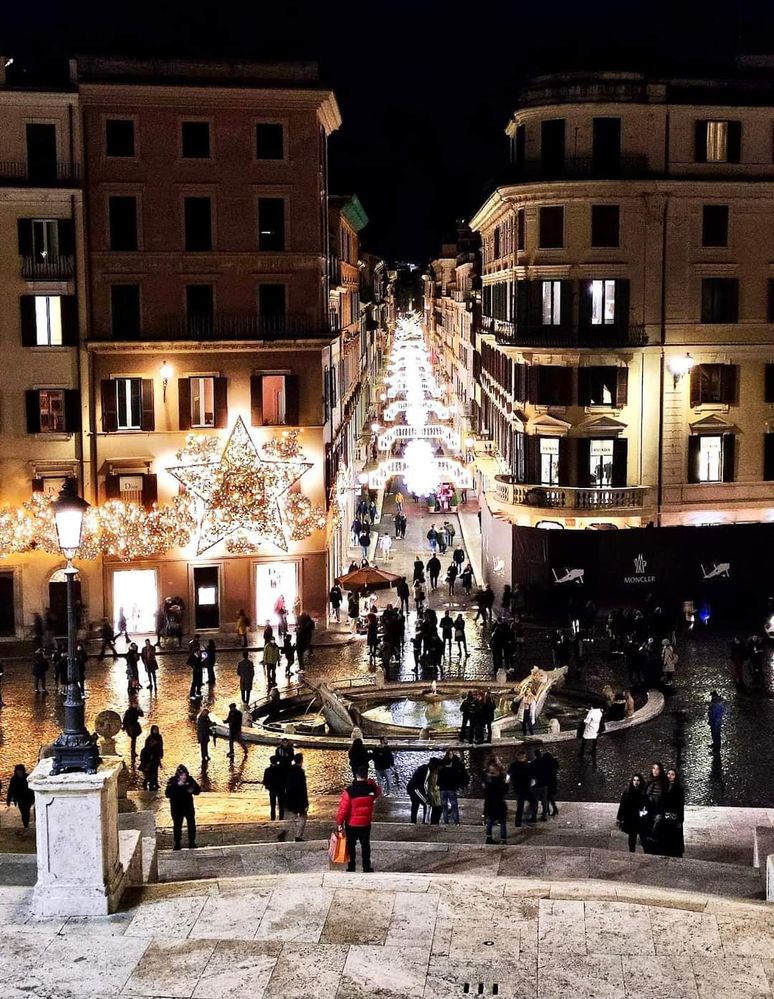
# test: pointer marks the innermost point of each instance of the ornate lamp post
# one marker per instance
(75, 748)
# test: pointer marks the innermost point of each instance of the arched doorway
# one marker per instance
(57, 600)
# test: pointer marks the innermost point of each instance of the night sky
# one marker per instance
(425, 88)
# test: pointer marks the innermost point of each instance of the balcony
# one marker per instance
(510, 334)
(57, 173)
(571, 498)
(580, 168)
(48, 268)
(231, 327)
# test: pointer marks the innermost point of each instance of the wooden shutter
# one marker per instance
(700, 141)
(66, 235)
(24, 231)
(728, 383)
(729, 453)
(620, 457)
(112, 487)
(72, 410)
(28, 330)
(521, 303)
(768, 383)
(69, 305)
(695, 385)
(583, 457)
(566, 449)
(256, 400)
(109, 406)
(584, 317)
(565, 300)
(622, 302)
(532, 458)
(184, 403)
(768, 457)
(220, 392)
(693, 459)
(148, 420)
(150, 491)
(291, 400)
(564, 383)
(32, 403)
(621, 387)
(734, 145)
(584, 389)
(533, 383)
(520, 382)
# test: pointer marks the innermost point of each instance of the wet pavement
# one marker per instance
(742, 778)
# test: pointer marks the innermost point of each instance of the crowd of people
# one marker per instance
(653, 812)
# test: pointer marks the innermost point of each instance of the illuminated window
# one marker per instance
(48, 321)
(710, 459)
(273, 392)
(52, 411)
(552, 303)
(602, 303)
(601, 462)
(549, 461)
(717, 141)
(202, 402)
(129, 403)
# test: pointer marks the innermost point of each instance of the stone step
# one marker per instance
(543, 863)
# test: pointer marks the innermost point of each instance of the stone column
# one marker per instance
(76, 823)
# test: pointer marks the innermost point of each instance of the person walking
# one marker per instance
(433, 571)
(149, 661)
(630, 810)
(495, 808)
(669, 660)
(285, 752)
(181, 789)
(432, 537)
(246, 673)
(446, 624)
(271, 658)
(384, 765)
(459, 635)
(59, 663)
(122, 625)
(466, 578)
(131, 725)
(417, 792)
(289, 652)
(419, 597)
(296, 798)
(403, 592)
(451, 577)
(335, 598)
(274, 782)
(19, 793)
(592, 728)
(372, 636)
(204, 733)
(242, 627)
(151, 757)
(364, 540)
(716, 710)
(234, 721)
(399, 501)
(355, 816)
(40, 666)
(81, 658)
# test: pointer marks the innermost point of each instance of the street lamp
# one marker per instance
(166, 374)
(680, 365)
(75, 748)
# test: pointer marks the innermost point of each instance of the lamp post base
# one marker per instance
(75, 752)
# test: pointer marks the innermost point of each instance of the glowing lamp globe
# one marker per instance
(69, 510)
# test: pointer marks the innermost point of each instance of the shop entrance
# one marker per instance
(7, 610)
(136, 591)
(273, 580)
(206, 598)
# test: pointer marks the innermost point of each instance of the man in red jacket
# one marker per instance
(356, 809)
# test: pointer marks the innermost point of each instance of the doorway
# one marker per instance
(136, 592)
(41, 153)
(273, 580)
(7, 607)
(206, 597)
(57, 600)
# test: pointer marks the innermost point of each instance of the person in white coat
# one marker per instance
(592, 726)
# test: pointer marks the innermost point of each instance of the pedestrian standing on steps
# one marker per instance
(495, 808)
(181, 789)
(274, 782)
(417, 792)
(151, 758)
(19, 794)
(434, 791)
(520, 779)
(592, 727)
(296, 798)
(459, 635)
(403, 592)
(203, 733)
(355, 816)
(630, 810)
(234, 721)
(384, 765)
(358, 756)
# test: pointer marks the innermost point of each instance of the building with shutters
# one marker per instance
(627, 349)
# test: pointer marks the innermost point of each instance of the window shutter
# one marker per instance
(112, 487)
(256, 400)
(184, 403)
(582, 467)
(728, 382)
(566, 448)
(533, 384)
(109, 407)
(32, 402)
(620, 455)
(566, 303)
(72, 410)
(28, 334)
(622, 302)
(69, 320)
(534, 303)
(220, 391)
(520, 385)
(693, 459)
(734, 147)
(24, 230)
(37, 485)
(729, 452)
(148, 421)
(66, 234)
(564, 384)
(150, 490)
(521, 303)
(585, 303)
(532, 454)
(768, 457)
(291, 400)
(700, 141)
(768, 383)
(584, 391)
(621, 387)
(695, 385)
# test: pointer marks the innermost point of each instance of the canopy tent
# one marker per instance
(369, 576)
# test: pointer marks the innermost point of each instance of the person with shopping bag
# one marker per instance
(355, 814)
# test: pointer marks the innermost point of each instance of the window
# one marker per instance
(551, 228)
(718, 141)
(125, 311)
(41, 240)
(48, 321)
(274, 399)
(128, 403)
(496, 250)
(714, 225)
(119, 137)
(271, 224)
(552, 303)
(550, 385)
(519, 146)
(601, 462)
(549, 461)
(603, 386)
(122, 223)
(602, 303)
(53, 411)
(713, 384)
(606, 147)
(195, 140)
(719, 300)
(197, 221)
(199, 308)
(552, 147)
(605, 225)
(42, 166)
(710, 459)
(272, 308)
(270, 141)
(202, 402)
(520, 230)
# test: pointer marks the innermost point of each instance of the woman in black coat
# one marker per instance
(495, 809)
(19, 793)
(668, 831)
(181, 789)
(358, 756)
(654, 792)
(631, 805)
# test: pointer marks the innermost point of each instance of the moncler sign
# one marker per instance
(641, 574)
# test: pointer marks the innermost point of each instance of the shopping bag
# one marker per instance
(337, 848)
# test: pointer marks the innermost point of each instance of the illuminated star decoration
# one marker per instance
(241, 491)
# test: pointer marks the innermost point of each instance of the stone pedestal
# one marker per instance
(76, 821)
